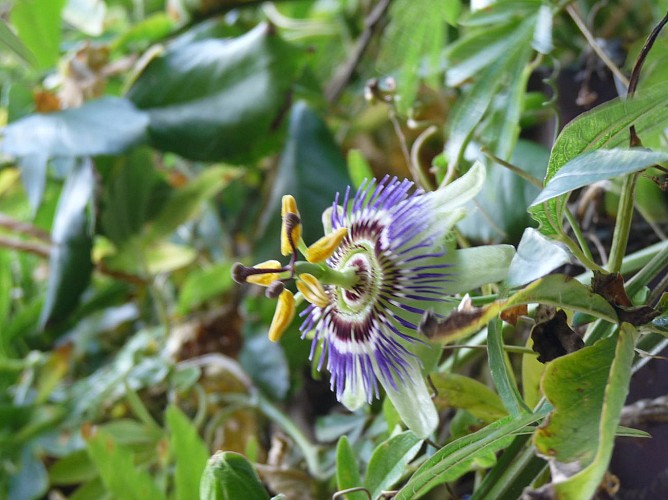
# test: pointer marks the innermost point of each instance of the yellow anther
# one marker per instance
(325, 246)
(265, 279)
(312, 290)
(285, 312)
(289, 206)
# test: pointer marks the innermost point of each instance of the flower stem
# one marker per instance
(578, 233)
(579, 253)
(309, 450)
(623, 226)
(345, 279)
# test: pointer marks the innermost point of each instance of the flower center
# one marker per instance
(369, 276)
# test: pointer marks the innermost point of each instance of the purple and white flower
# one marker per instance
(391, 260)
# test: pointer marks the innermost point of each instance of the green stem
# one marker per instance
(623, 225)
(327, 276)
(345, 279)
(578, 253)
(599, 330)
(633, 262)
(655, 266)
(259, 402)
(309, 450)
(578, 234)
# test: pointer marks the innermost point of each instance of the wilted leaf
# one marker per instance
(588, 389)
(611, 287)
(513, 314)
(553, 338)
(555, 289)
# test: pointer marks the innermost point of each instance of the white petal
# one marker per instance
(461, 190)
(477, 266)
(327, 218)
(355, 397)
(413, 402)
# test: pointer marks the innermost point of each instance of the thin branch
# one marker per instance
(595, 46)
(24, 228)
(513, 168)
(25, 246)
(635, 75)
(344, 74)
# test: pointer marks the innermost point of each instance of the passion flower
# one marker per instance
(386, 258)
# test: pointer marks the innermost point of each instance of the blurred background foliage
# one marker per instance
(146, 147)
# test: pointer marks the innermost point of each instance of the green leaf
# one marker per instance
(532, 373)
(358, 168)
(500, 13)
(33, 176)
(109, 125)
(86, 15)
(70, 264)
(347, 473)
(30, 480)
(6, 284)
(310, 155)
(414, 38)
(536, 256)
(74, 468)
(116, 466)
(265, 362)
(14, 43)
(229, 476)
(190, 452)
(218, 99)
(480, 49)
(588, 389)
(133, 192)
(456, 458)
(204, 284)
(458, 391)
(151, 29)
(604, 127)
(501, 370)
(38, 24)
(184, 203)
(595, 166)
(389, 460)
